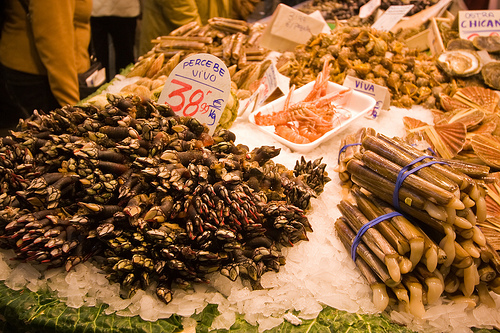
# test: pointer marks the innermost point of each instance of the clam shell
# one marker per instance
(487, 148)
(488, 43)
(484, 98)
(491, 74)
(459, 62)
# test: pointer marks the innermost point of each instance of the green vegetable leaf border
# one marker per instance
(23, 311)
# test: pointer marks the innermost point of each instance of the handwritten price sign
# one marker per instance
(198, 87)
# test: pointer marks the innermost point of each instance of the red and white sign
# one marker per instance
(199, 87)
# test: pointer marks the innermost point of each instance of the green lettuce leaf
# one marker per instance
(26, 311)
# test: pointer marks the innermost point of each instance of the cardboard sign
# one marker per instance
(420, 18)
(199, 87)
(379, 93)
(474, 23)
(391, 17)
(272, 84)
(288, 28)
(368, 8)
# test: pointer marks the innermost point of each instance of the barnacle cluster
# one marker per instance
(369, 54)
(150, 196)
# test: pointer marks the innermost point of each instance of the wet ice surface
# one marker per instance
(318, 272)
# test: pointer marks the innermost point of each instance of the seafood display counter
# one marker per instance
(118, 214)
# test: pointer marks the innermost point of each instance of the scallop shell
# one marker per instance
(459, 62)
(453, 137)
(487, 148)
(449, 141)
(491, 74)
(488, 43)
(450, 104)
(469, 117)
(482, 98)
(487, 127)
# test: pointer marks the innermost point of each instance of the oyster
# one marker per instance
(491, 74)
(459, 62)
(488, 43)
(460, 44)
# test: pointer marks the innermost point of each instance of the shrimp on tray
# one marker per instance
(307, 120)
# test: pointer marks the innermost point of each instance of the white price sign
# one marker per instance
(199, 87)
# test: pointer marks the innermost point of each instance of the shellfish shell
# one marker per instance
(487, 148)
(469, 117)
(491, 74)
(459, 62)
(489, 43)
(478, 97)
(445, 139)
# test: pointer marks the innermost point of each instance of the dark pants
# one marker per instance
(122, 32)
(21, 93)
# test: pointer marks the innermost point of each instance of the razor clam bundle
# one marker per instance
(416, 220)
(148, 195)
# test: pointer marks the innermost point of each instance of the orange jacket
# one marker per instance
(54, 44)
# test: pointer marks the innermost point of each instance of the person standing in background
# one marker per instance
(160, 17)
(43, 47)
(116, 19)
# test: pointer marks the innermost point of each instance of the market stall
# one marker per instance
(302, 276)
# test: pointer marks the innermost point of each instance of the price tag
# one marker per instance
(199, 87)
(272, 83)
(391, 16)
(368, 8)
(380, 93)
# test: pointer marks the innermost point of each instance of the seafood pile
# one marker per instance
(466, 130)
(371, 55)
(233, 41)
(462, 61)
(308, 120)
(346, 9)
(149, 196)
(427, 243)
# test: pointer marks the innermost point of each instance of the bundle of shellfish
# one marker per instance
(369, 54)
(416, 219)
(233, 41)
(149, 196)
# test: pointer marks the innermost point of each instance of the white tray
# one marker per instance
(359, 105)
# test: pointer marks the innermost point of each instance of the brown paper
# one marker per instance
(288, 28)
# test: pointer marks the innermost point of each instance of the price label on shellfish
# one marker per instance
(199, 87)
(391, 16)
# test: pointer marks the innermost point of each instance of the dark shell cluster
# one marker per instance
(148, 195)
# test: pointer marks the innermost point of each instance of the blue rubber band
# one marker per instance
(432, 151)
(365, 227)
(344, 148)
(404, 172)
